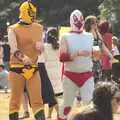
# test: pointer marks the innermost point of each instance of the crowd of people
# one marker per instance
(90, 60)
(4, 62)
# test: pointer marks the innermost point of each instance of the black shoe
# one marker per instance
(13, 116)
(40, 115)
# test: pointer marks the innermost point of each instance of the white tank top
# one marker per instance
(82, 41)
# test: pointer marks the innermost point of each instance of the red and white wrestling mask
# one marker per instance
(76, 19)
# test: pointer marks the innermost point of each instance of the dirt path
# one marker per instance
(4, 100)
(4, 103)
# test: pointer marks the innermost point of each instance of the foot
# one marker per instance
(40, 115)
(26, 115)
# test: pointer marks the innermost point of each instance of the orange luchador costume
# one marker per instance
(23, 37)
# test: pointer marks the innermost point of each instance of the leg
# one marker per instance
(34, 90)
(25, 103)
(4, 78)
(57, 109)
(47, 89)
(115, 72)
(69, 95)
(50, 112)
(108, 74)
(86, 91)
(104, 75)
(97, 70)
(17, 87)
(46, 86)
(56, 106)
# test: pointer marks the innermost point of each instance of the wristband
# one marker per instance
(65, 57)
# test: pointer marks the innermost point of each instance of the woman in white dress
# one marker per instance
(52, 61)
(49, 71)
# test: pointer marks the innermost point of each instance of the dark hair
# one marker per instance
(88, 22)
(103, 94)
(2, 66)
(1, 36)
(102, 97)
(104, 27)
(53, 38)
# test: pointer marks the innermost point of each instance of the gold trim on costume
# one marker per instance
(27, 71)
(20, 65)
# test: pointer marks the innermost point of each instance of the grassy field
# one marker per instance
(4, 102)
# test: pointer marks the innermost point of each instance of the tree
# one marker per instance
(52, 12)
(110, 9)
(57, 12)
(8, 13)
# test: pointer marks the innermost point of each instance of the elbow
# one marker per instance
(65, 57)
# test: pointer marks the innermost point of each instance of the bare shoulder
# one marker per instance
(13, 26)
(38, 25)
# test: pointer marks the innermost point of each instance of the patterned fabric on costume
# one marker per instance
(26, 71)
(97, 64)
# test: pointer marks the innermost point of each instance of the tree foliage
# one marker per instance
(8, 12)
(52, 12)
(58, 11)
(110, 9)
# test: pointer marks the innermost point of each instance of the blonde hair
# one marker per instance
(88, 22)
(115, 40)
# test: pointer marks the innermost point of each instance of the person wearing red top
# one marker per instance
(104, 28)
